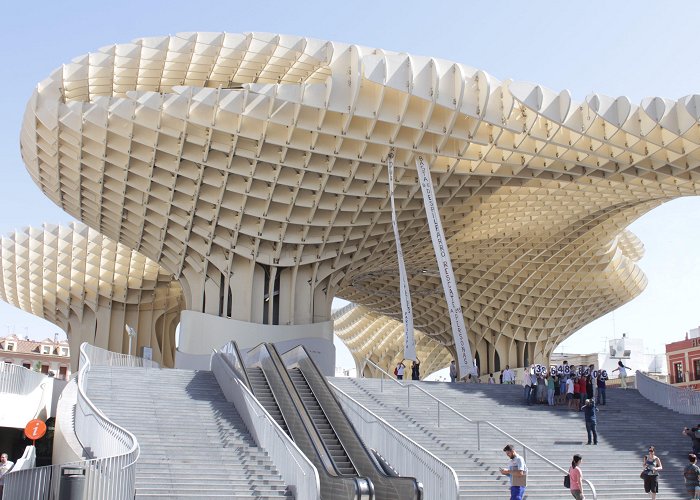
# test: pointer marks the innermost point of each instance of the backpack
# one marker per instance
(567, 481)
(396, 371)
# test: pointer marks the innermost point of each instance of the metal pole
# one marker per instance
(130, 345)
(381, 384)
(408, 391)
(438, 413)
(478, 435)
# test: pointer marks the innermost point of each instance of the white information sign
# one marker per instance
(409, 350)
(449, 284)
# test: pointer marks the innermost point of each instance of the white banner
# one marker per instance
(449, 284)
(409, 348)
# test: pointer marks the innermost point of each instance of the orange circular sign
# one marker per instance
(35, 429)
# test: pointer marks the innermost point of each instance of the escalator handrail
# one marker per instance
(362, 486)
(236, 364)
(363, 460)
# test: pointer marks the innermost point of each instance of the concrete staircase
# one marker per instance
(193, 442)
(627, 425)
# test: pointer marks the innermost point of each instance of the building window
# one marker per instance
(28, 366)
(45, 369)
(10, 346)
(64, 351)
(696, 366)
(62, 372)
(45, 349)
(678, 372)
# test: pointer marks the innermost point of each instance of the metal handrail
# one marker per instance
(679, 399)
(434, 483)
(305, 474)
(86, 435)
(478, 424)
(15, 379)
(111, 473)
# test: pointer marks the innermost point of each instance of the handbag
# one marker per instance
(643, 474)
(567, 481)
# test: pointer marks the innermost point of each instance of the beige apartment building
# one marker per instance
(47, 356)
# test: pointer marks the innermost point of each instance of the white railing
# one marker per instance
(111, 473)
(294, 467)
(678, 399)
(405, 455)
(479, 424)
(15, 379)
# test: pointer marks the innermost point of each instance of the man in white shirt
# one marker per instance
(5, 467)
(570, 401)
(507, 375)
(517, 472)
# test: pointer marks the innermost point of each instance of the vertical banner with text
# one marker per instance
(409, 349)
(454, 306)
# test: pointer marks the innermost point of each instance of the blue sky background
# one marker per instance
(632, 48)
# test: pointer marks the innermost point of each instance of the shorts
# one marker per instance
(577, 494)
(569, 396)
(651, 483)
(693, 492)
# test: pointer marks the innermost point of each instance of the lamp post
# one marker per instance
(132, 335)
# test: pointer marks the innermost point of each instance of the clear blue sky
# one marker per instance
(637, 49)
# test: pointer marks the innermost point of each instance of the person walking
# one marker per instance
(453, 372)
(623, 373)
(652, 466)
(415, 370)
(491, 379)
(517, 472)
(589, 411)
(5, 467)
(691, 474)
(576, 478)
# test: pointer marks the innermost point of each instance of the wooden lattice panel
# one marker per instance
(216, 153)
(90, 286)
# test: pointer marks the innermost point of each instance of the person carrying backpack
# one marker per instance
(399, 370)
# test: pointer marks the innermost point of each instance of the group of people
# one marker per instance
(400, 369)
(547, 388)
(651, 466)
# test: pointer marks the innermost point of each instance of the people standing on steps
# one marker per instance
(576, 478)
(694, 435)
(652, 466)
(508, 375)
(570, 395)
(589, 411)
(517, 472)
(415, 370)
(600, 395)
(5, 467)
(453, 371)
(691, 474)
(550, 389)
(527, 385)
(623, 373)
(400, 369)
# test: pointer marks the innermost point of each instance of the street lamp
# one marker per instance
(132, 335)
